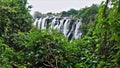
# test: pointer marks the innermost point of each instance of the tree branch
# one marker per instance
(105, 8)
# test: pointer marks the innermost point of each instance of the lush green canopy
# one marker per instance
(24, 46)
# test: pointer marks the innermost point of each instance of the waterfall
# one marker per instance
(39, 23)
(43, 23)
(66, 25)
(77, 33)
(56, 24)
(35, 22)
(60, 27)
(72, 31)
(53, 22)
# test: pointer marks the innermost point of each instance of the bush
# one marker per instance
(14, 18)
(45, 49)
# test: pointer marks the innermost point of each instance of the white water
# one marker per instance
(35, 22)
(64, 25)
(77, 33)
(39, 23)
(60, 27)
(43, 23)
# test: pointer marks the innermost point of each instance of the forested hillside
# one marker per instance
(24, 46)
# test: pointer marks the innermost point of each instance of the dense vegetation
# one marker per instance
(23, 46)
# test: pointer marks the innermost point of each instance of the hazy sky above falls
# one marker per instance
(55, 6)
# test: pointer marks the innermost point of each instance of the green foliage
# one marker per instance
(24, 47)
(106, 34)
(88, 16)
(8, 57)
(14, 18)
(88, 11)
(45, 49)
(70, 12)
(4, 54)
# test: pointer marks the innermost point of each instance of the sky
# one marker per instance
(56, 6)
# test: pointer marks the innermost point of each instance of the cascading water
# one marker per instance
(53, 23)
(77, 33)
(65, 25)
(72, 30)
(60, 27)
(56, 24)
(35, 22)
(39, 23)
(43, 23)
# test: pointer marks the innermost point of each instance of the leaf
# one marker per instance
(115, 37)
(99, 31)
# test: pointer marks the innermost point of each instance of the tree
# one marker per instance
(14, 18)
(107, 35)
(72, 12)
(88, 13)
(64, 13)
(37, 15)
